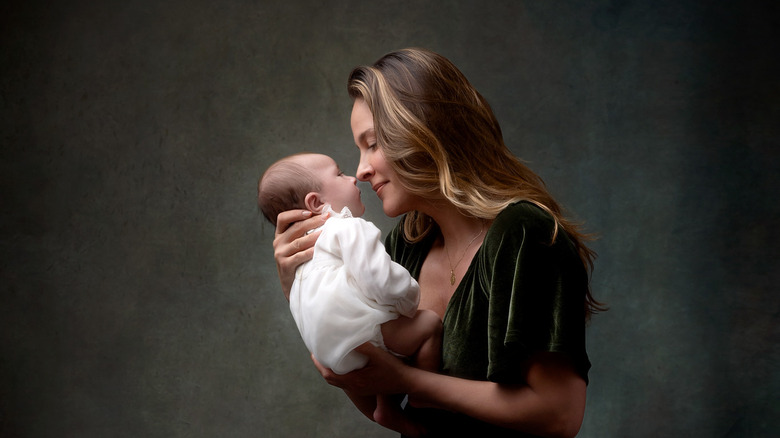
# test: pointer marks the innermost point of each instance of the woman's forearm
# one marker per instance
(552, 404)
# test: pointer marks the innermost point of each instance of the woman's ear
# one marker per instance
(313, 202)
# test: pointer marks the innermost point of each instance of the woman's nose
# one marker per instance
(364, 170)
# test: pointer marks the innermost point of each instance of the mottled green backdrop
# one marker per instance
(138, 294)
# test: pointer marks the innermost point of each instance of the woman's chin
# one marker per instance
(391, 212)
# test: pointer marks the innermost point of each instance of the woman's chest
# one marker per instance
(435, 288)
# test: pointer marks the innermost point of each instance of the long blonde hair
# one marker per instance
(441, 137)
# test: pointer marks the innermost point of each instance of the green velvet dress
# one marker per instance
(519, 296)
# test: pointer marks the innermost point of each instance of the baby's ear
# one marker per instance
(313, 202)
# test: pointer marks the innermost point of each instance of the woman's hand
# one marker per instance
(292, 246)
(384, 374)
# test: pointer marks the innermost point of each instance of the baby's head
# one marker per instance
(307, 181)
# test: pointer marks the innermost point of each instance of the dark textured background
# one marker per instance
(138, 294)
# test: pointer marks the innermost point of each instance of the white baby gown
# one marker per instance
(340, 298)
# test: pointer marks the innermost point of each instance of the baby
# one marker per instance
(351, 292)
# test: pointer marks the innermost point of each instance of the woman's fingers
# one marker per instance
(306, 241)
(379, 376)
(292, 246)
(285, 218)
(292, 227)
(327, 373)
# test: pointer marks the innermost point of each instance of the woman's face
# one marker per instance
(373, 168)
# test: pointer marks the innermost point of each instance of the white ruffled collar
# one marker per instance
(343, 214)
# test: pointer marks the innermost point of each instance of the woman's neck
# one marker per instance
(457, 229)
(448, 259)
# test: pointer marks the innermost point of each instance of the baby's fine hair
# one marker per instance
(283, 187)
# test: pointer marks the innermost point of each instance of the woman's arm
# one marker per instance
(552, 404)
(292, 246)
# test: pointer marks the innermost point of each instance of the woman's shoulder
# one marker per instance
(524, 223)
(525, 217)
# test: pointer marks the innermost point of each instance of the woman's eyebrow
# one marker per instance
(364, 134)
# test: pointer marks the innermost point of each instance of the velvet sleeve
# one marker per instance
(535, 292)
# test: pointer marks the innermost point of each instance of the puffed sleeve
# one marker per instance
(535, 292)
(369, 264)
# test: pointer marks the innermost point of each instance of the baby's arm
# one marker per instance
(368, 262)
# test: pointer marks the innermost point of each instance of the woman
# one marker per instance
(489, 246)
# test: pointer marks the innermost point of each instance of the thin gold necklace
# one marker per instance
(452, 268)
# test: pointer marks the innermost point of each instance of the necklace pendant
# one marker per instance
(452, 277)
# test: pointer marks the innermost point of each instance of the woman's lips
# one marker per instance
(378, 187)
